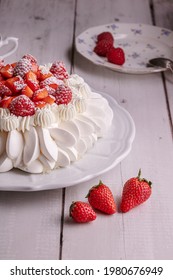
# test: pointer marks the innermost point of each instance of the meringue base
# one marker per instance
(55, 136)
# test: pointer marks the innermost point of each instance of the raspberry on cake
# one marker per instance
(22, 67)
(58, 70)
(53, 116)
(63, 95)
(22, 106)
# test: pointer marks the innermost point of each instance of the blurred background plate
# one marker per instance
(140, 43)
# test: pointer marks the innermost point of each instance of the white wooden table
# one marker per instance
(36, 225)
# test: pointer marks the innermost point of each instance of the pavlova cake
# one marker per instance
(48, 118)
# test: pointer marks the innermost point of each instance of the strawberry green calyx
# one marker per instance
(99, 184)
(143, 179)
(94, 187)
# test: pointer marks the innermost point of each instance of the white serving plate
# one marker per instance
(140, 43)
(106, 154)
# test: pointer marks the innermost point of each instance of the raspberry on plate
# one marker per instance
(103, 47)
(22, 106)
(116, 56)
(105, 36)
(63, 95)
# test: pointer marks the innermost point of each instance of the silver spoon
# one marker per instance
(162, 62)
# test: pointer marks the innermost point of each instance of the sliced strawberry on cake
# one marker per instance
(7, 71)
(15, 84)
(31, 80)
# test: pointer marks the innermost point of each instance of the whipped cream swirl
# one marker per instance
(9, 122)
(44, 117)
(66, 112)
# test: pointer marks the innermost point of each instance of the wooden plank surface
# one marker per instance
(31, 223)
(127, 236)
(163, 12)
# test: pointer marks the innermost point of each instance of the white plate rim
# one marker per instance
(30, 186)
(113, 67)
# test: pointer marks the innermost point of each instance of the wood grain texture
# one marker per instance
(31, 223)
(163, 13)
(127, 236)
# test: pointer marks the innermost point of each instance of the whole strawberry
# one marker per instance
(82, 212)
(136, 191)
(100, 197)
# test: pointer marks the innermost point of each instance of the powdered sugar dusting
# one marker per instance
(22, 106)
(59, 70)
(23, 66)
(19, 84)
(50, 81)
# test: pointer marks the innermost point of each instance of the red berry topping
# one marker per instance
(31, 58)
(7, 71)
(31, 80)
(63, 95)
(1, 77)
(27, 91)
(22, 106)
(22, 67)
(15, 84)
(103, 47)
(40, 104)
(5, 102)
(52, 82)
(50, 99)
(4, 90)
(40, 94)
(82, 212)
(105, 36)
(116, 56)
(43, 74)
(50, 90)
(58, 70)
